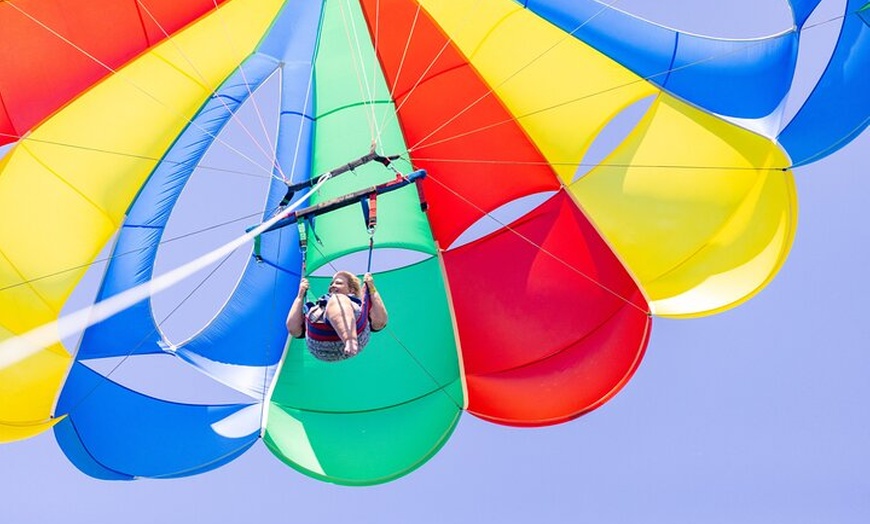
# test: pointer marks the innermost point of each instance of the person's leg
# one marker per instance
(342, 317)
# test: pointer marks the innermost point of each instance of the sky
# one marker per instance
(755, 415)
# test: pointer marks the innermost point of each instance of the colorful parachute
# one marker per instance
(524, 294)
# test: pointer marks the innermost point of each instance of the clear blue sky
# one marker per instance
(757, 415)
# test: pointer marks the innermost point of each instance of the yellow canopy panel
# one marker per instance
(560, 90)
(700, 210)
(28, 391)
(65, 188)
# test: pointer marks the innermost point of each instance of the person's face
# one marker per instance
(339, 285)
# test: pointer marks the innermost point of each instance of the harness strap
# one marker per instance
(370, 213)
(258, 255)
(373, 213)
(324, 332)
(372, 156)
(424, 206)
(303, 244)
(369, 205)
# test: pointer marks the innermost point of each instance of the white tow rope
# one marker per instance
(18, 348)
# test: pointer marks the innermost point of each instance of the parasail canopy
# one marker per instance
(523, 291)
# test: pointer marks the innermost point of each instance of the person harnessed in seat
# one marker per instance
(337, 326)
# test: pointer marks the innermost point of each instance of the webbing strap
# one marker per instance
(373, 212)
(258, 255)
(323, 331)
(424, 206)
(303, 244)
(370, 214)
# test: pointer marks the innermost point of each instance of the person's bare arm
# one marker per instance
(378, 314)
(295, 319)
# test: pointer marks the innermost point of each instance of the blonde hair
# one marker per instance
(353, 282)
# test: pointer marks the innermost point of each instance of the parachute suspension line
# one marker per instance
(4, 258)
(402, 61)
(405, 55)
(18, 348)
(846, 136)
(544, 250)
(428, 68)
(153, 331)
(491, 89)
(26, 137)
(108, 68)
(432, 377)
(516, 118)
(596, 164)
(41, 24)
(833, 147)
(375, 68)
(272, 151)
(130, 252)
(379, 125)
(422, 143)
(272, 148)
(365, 90)
(298, 146)
(823, 22)
(328, 261)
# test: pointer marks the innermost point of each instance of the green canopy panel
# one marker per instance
(380, 414)
(366, 447)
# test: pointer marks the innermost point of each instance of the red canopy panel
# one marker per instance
(476, 155)
(53, 50)
(550, 323)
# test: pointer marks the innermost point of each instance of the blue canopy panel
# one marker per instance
(292, 40)
(114, 433)
(135, 331)
(757, 72)
(838, 109)
(247, 331)
(802, 9)
(253, 321)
